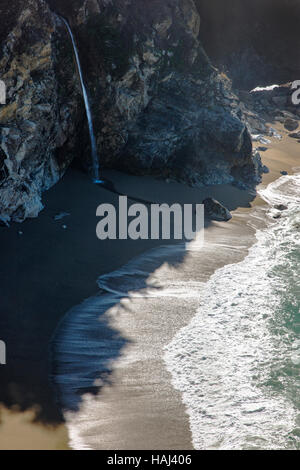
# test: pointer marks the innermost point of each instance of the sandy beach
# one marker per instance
(50, 266)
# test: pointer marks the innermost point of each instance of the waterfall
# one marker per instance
(87, 106)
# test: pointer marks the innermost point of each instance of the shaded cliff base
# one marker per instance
(46, 270)
(255, 41)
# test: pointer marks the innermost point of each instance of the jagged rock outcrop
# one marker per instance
(265, 105)
(159, 106)
(39, 118)
(214, 210)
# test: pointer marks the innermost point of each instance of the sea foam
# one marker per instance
(237, 362)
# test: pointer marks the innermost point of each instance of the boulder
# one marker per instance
(291, 124)
(275, 214)
(295, 135)
(281, 207)
(265, 169)
(214, 210)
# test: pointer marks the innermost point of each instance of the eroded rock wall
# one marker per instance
(39, 118)
(158, 104)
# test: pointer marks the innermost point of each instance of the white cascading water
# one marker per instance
(87, 105)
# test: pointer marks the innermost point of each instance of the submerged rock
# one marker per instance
(214, 210)
(61, 216)
(281, 207)
(275, 214)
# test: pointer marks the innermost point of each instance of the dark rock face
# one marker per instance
(38, 120)
(159, 106)
(185, 141)
(291, 124)
(271, 104)
(256, 40)
(214, 210)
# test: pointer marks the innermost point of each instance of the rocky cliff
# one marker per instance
(159, 106)
(38, 122)
(257, 41)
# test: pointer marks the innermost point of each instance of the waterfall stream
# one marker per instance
(87, 105)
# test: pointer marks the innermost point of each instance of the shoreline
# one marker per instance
(61, 272)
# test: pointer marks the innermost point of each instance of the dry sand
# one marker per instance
(48, 269)
(20, 431)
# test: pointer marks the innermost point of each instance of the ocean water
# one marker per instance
(237, 363)
(229, 346)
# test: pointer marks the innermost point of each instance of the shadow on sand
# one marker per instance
(48, 266)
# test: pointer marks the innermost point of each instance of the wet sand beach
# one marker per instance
(49, 266)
